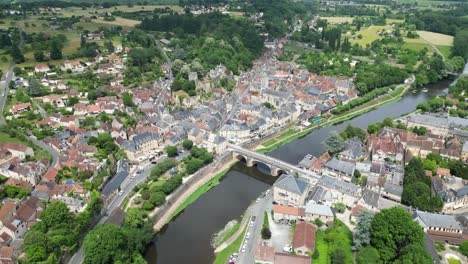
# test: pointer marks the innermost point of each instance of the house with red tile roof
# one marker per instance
(304, 238)
(284, 258)
(281, 212)
(20, 108)
(41, 68)
(17, 150)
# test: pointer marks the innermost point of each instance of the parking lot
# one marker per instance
(281, 234)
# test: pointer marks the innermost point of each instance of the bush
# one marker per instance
(137, 200)
(266, 233)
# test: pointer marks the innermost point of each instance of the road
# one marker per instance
(117, 200)
(39, 107)
(257, 210)
(54, 153)
(4, 88)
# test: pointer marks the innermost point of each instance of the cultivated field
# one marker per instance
(436, 38)
(75, 11)
(124, 22)
(338, 20)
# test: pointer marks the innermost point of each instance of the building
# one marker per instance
(442, 228)
(214, 143)
(464, 154)
(281, 212)
(289, 190)
(264, 254)
(20, 108)
(437, 125)
(304, 238)
(315, 211)
(283, 258)
(340, 169)
(140, 145)
(17, 150)
(337, 191)
(41, 68)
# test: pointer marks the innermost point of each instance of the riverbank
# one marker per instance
(197, 189)
(288, 136)
(203, 189)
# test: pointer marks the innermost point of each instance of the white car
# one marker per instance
(247, 235)
(120, 193)
(267, 191)
(287, 248)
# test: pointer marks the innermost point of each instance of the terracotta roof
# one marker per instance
(282, 258)
(305, 235)
(7, 210)
(6, 253)
(289, 210)
(51, 174)
(264, 253)
(443, 172)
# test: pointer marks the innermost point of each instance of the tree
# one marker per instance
(39, 56)
(109, 46)
(187, 144)
(16, 54)
(56, 215)
(334, 143)
(105, 244)
(266, 233)
(464, 248)
(171, 151)
(55, 50)
(392, 230)
(363, 228)
(368, 255)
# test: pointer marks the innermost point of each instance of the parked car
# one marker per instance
(287, 248)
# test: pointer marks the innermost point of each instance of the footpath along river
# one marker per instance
(186, 239)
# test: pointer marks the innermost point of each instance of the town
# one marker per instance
(117, 120)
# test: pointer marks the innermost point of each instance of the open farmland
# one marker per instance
(338, 20)
(436, 38)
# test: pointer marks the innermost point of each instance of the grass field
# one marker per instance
(396, 21)
(338, 20)
(222, 257)
(416, 44)
(75, 11)
(436, 38)
(369, 35)
(6, 138)
(118, 21)
(446, 50)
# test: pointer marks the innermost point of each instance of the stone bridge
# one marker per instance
(275, 165)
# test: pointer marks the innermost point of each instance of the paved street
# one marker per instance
(116, 201)
(4, 90)
(44, 146)
(257, 210)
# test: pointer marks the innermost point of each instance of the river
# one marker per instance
(186, 239)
